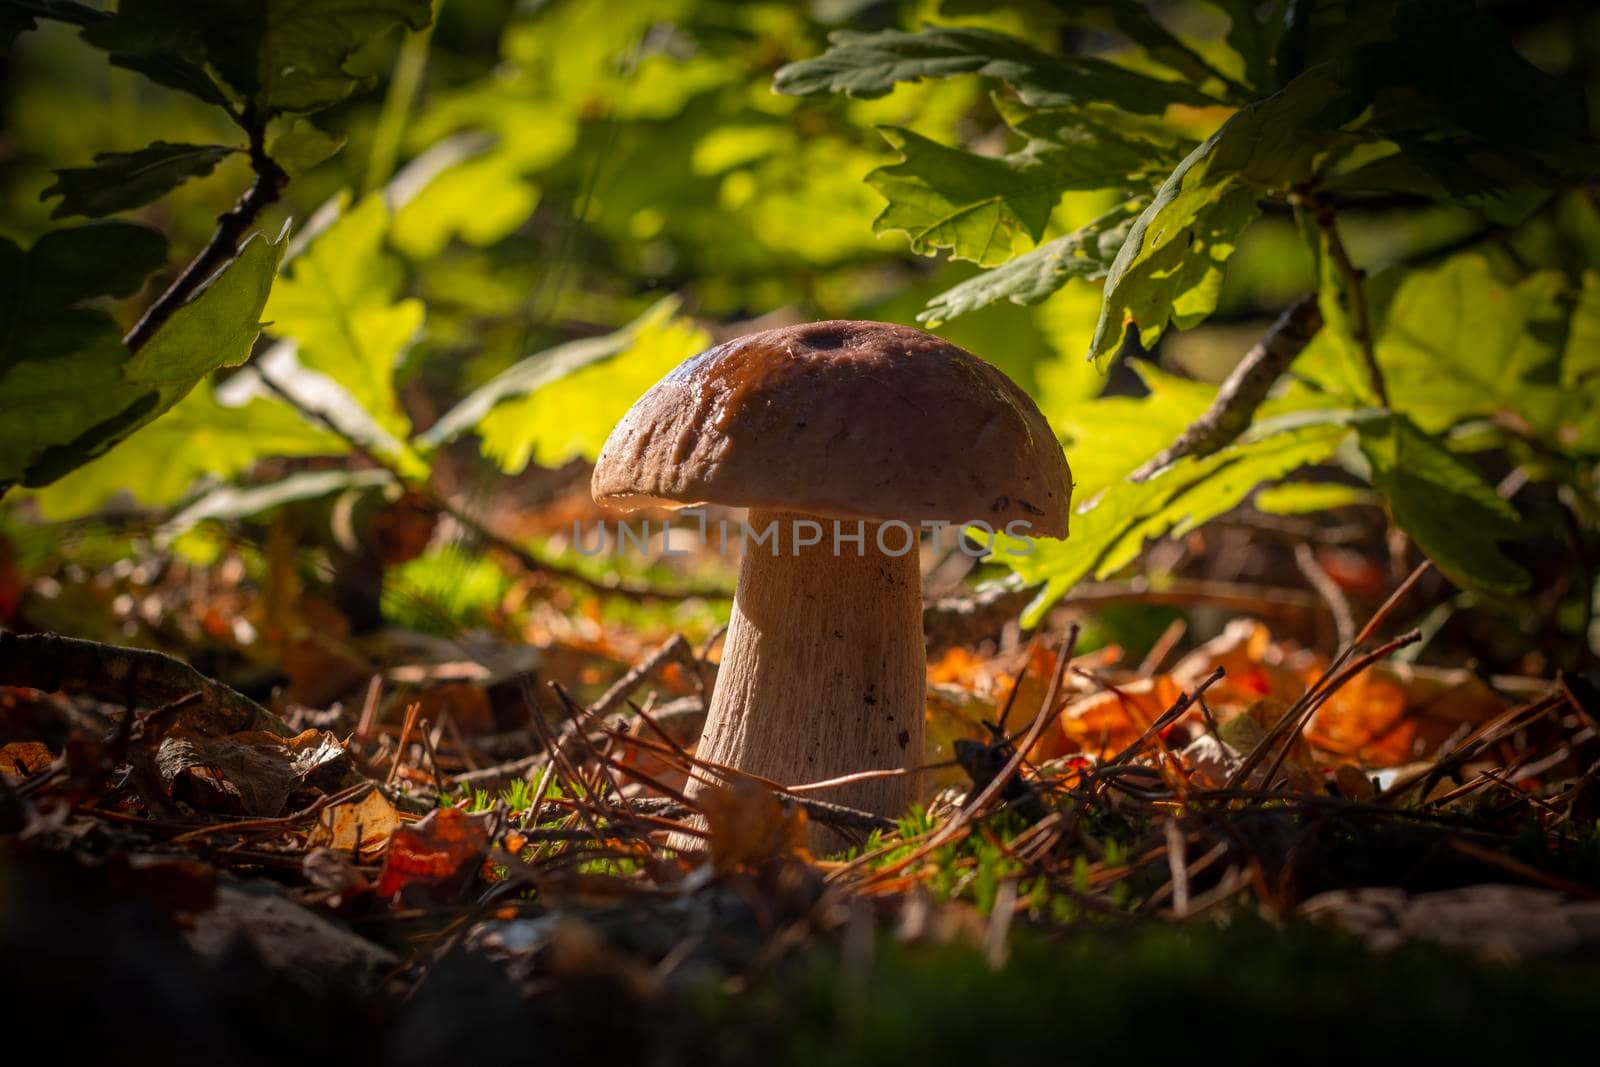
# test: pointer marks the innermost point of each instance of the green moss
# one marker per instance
(1159, 994)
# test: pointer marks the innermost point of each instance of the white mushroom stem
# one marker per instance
(823, 670)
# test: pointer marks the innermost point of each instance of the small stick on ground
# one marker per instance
(405, 735)
(1344, 623)
(433, 755)
(674, 647)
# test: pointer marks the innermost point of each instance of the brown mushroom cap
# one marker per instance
(859, 420)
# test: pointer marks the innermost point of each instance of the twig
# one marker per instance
(354, 793)
(962, 620)
(1244, 390)
(1177, 847)
(839, 816)
(1163, 647)
(405, 735)
(369, 709)
(1162, 721)
(958, 824)
(231, 226)
(433, 755)
(1343, 622)
(674, 647)
(1257, 754)
(1297, 723)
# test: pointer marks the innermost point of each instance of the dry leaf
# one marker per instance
(365, 824)
(250, 773)
(432, 859)
(1107, 722)
(1366, 718)
(1211, 760)
(750, 825)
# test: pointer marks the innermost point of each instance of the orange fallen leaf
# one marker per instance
(1106, 721)
(24, 759)
(434, 857)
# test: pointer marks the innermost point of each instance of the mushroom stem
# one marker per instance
(823, 671)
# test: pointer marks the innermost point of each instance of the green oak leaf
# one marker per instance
(1457, 343)
(303, 146)
(979, 208)
(69, 388)
(76, 263)
(1121, 519)
(280, 56)
(225, 503)
(1032, 277)
(169, 70)
(1099, 147)
(339, 301)
(1113, 518)
(1133, 18)
(871, 64)
(535, 372)
(1455, 517)
(1580, 364)
(198, 437)
(63, 398)
(1170, 267)
(1305, 498)
(1254, 30)
(121, 181)
(217, 327)
(572, 415)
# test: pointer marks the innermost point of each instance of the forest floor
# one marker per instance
(1246, 846)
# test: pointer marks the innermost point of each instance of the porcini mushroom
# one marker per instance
(847, 441)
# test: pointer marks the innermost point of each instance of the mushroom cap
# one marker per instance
(845, 419)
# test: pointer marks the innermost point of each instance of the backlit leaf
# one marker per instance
(69, 389)
(1302, 498)
(217, 327)
(1086, 252)
(541, 369)
(339, 301)
(979, 208)
(1187, 494)
(573, 415)
(303, 146)
(197, 438)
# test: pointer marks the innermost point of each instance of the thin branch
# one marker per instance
(231, 227)
(1328, 589)
(1230, 413)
